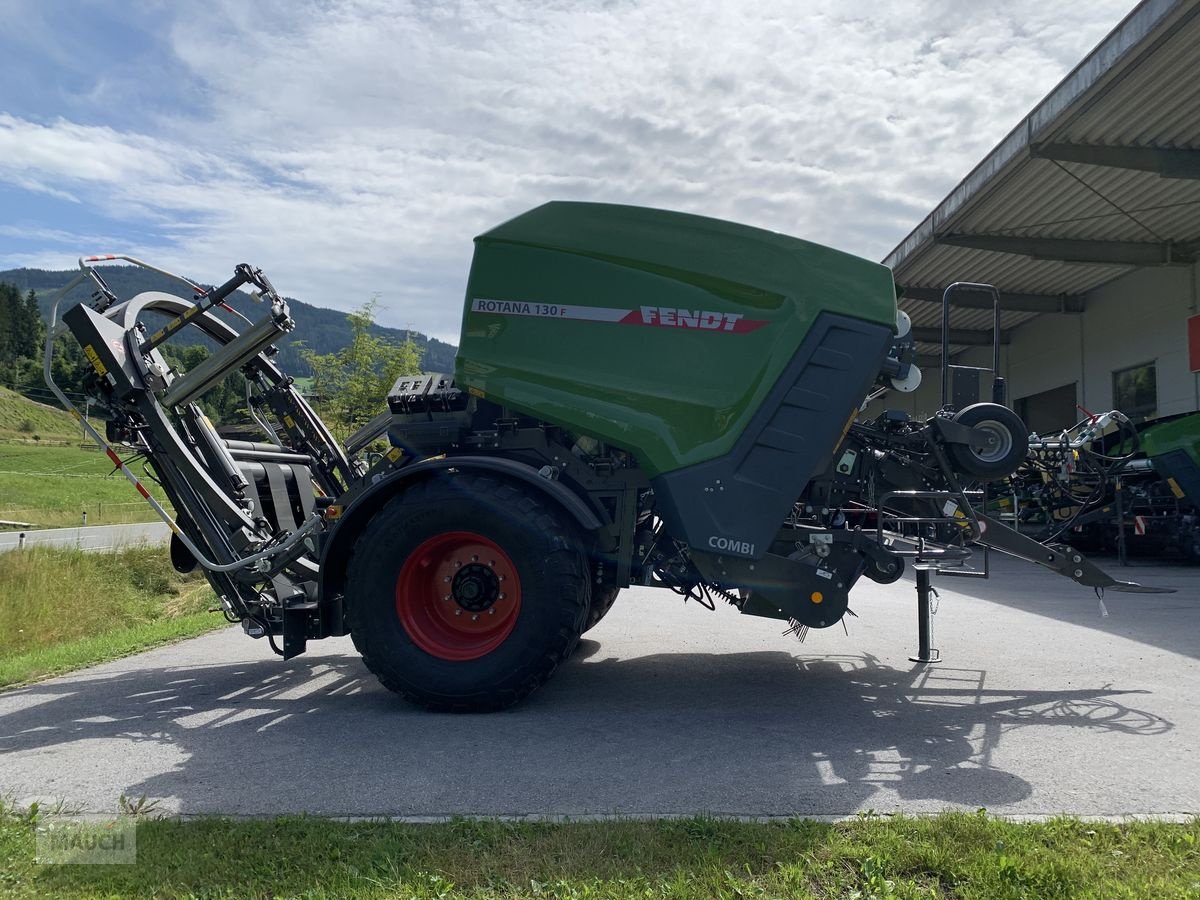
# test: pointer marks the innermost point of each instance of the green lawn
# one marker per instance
(62, 609)
(51, 487)
(954, 855)
(21, 419)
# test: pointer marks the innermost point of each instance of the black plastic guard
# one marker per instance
(735, 504)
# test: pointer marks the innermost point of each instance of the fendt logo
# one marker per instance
(673, 317)
(654, 316)
(732, 545)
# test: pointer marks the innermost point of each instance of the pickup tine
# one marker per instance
(1129, 587)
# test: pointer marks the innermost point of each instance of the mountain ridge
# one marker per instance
(318, 328)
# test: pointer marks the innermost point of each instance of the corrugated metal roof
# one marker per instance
(1138, 88)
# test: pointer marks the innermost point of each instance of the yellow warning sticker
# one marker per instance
(94, 358)
(1175, 488)
(394, 454)
(289, 421)
(475, 392)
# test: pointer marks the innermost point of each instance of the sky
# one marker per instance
(353, 148)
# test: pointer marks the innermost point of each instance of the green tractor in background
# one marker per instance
(640, 397)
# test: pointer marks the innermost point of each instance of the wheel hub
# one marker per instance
(458, 595)
(476, 587)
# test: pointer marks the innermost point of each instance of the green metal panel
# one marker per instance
(655, 331)
(1176, 434)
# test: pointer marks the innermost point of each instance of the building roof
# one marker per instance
(1102, 177)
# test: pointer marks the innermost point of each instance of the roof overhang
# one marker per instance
(1102, 177)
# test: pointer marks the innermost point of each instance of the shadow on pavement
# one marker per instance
(1168, 621)
(753, 733)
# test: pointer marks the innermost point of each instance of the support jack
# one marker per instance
(926, 655)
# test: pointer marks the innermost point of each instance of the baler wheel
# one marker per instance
(603, 599)
(1002, 458)
(465, 592)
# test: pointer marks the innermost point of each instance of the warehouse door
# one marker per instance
(1051, 410)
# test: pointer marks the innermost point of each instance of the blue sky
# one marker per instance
(354, 148)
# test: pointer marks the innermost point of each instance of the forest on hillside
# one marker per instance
(321, 334)
(318, 329)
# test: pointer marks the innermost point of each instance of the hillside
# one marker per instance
(21, 419)
(319, 329)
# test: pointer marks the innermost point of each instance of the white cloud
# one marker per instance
(357, 147)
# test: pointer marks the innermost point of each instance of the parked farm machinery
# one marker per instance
(1108, 484)
(640, 398)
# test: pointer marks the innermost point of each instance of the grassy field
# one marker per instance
(62, 609)
(51, 487)
(21, 419)
(51, 482)
(954, 855)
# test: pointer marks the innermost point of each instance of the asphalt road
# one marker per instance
(1041, 707)
(89, 537)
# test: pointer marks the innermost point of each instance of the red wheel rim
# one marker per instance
(458, 596)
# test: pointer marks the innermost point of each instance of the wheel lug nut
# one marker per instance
(458, 612)
(448, 597)
(502, 577)
(474, 559)
(501, 597)
(492, 563)
(475, 618)
(446, 579)
(492, 611)
(457, 564)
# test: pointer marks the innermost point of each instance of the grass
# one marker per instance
(51, 487)
(21, 419)
(953, 855)
(63, 609)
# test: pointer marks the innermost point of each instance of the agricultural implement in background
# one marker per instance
(640, 398)
(1107, 484)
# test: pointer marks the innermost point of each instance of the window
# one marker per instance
(1135, 392)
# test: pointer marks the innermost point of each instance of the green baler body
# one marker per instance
(658, 332)
(1182, 433)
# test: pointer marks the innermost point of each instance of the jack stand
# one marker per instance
(925, 654)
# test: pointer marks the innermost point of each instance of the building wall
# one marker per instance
(1138, 318)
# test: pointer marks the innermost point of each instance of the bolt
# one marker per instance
(458, 612)
(1079, 573)
(474, 559)
(475, 617)
(501, 597)
(502, 577)
(1077, 558)
(492, 611)
(457, 564)
(446, 579)
(448, 597)
(491, 563)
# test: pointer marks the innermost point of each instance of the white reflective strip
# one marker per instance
(548, 310)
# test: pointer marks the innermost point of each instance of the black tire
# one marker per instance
(996, 462)
(603, 599)
(552, 598)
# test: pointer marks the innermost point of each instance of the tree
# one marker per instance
(225, 402)
(350, 385)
